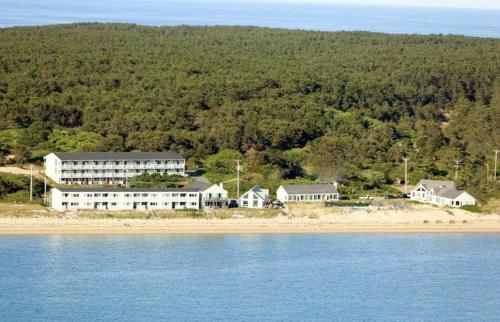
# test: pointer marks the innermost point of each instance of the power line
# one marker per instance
(495, 173)
(31, 183)
(406, 171)
(238, 168)
(457, 162)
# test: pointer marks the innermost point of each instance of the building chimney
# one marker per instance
(221, 185)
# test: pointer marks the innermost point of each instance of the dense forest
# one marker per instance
(293, 105)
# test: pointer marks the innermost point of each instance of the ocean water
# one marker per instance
(296, 277)
(296, 15)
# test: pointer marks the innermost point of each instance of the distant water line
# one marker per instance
(325, 17)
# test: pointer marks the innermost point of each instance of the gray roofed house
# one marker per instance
(441, 192)
(307, 192)
(256, 197)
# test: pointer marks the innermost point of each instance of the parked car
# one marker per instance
(390, 197)
(276, 203)
(232, 203)
(343, 197)
(367, 197)
(404, 196)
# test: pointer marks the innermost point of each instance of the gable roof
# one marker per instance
(449, 193)
(441, 184)
(122, 189)
(105, 156)
(309, 188)
(261, 193)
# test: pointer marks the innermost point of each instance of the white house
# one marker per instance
(110, 167)
(254, 198)
(441, 193)
(307, 193)
(115, 198)
(212, 195)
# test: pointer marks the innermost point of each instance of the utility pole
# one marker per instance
(495, 173)
(406, 171)
(238, 168)
(31, 183)
(126, 178)
(457, 162)
(45, 190)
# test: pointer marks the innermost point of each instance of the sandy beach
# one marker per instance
(302, 220)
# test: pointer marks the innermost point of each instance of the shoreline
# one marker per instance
(300, 219)
(55, 226)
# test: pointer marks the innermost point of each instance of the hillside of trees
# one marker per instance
(294, 105)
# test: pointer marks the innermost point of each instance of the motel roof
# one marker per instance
(119, 189)
(116, 156)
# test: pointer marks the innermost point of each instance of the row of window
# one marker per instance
(214, 195)
(114, 204)
(255, 203)
(122, 162)
(180, 170)
(310, 197)
(127, 195)
(254, 197)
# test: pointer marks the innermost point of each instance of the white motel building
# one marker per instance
(114, 198)
(110, 167)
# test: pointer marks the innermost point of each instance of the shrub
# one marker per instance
(18, 196)
(472, 208)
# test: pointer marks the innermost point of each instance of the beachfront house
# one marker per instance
(110, 167)
(212, 195)
(441, 193)
(116, 198)
(254, 198)
(307, 193)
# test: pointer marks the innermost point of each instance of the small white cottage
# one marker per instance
(254, 198)
(307, 193)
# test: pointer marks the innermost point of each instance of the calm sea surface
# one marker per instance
(344, 277)
(485, 23)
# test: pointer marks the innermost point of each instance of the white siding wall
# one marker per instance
(431, 198)
(56, 199)
(107, 172)
(124, 200)
(214, 192)
(281, 195)
(251, 200)
(53, 167)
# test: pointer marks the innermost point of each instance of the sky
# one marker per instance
(478, 4)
